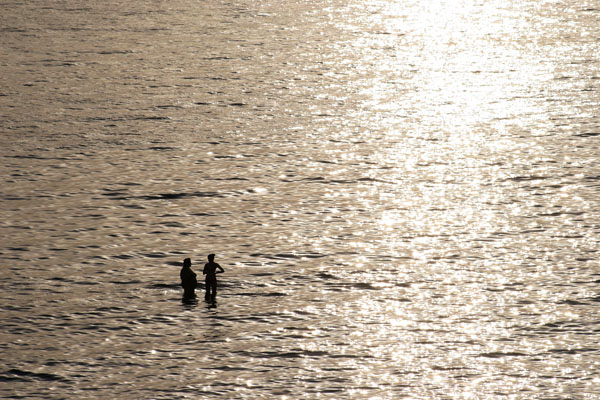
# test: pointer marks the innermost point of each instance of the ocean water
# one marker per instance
(404, 196)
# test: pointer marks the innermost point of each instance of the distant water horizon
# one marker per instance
(404, 197)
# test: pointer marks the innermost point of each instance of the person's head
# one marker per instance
(211, 257)
(187, 262)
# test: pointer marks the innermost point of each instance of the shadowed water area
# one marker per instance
(404, 196)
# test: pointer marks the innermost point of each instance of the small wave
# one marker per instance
(86, 283)
(18, 249)
(559, 213)
(588, 134)
(324, 275)
(173, 263)
(124, 119)
(110, 309)
(288, 354)
(363, 285)
(442, 368)
(573, 351)
(284, 256)
(154, 255)
(28, 376)
(134, 282)
(257, 294)
(116, 52)
(174, 196)
(123, 256)
(227, 368)
(355, 285)
(120, 195)
(287, 255)
(500, 354)
(162, 148)
(572, 303)
(320, 179)
(235, 178)
(164, 286)
(526, 178)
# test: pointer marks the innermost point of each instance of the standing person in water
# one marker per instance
(210, 270)
(188, 280)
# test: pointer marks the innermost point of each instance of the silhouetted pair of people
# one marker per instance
(189, 281)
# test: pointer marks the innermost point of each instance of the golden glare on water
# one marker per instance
(457, 62)
(457, 99)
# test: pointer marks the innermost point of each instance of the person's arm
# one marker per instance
(221, 268)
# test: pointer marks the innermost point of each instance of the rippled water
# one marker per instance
(403, 194)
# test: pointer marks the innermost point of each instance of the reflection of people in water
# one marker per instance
(210, 270)
(188, 279)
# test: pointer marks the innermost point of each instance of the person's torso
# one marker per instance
(187, 274)
(210, 269)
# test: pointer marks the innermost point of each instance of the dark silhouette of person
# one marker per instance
(211, 269)
(188, 279)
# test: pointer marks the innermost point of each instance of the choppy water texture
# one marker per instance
(404, 196)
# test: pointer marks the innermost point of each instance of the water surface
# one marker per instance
(404, 196)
